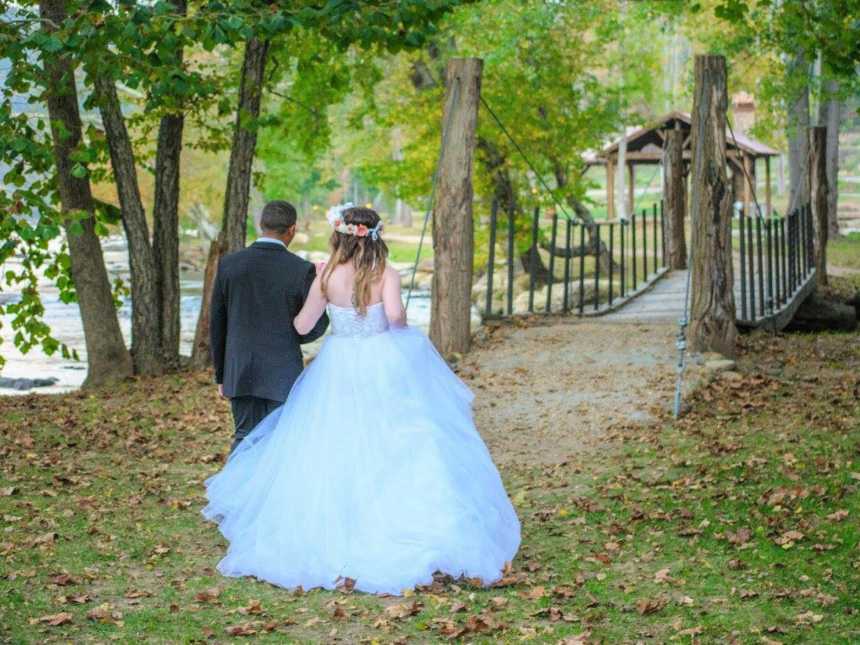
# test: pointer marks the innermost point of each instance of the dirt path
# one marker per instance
(549, 391)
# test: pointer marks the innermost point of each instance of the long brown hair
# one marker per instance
(367, 255)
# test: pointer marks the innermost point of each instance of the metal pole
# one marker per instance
(510, 261)
(551, 263)
(533, 258)
(611, 258)
(623, 226)
(581, 268)
(633, 246)
(741, 222)
(760, 263)
(597, 269)
(750, 265)
(644, 245)
(654, 224)
(769, 249)
(784, 260)
(567, 236)
(491, 260)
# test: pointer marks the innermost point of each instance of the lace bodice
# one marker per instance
(346, 321)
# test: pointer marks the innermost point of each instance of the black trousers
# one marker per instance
(248, 411)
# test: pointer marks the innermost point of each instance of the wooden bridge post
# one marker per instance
(674, 199)
(818, 200)
(451, 306)
(712, 323)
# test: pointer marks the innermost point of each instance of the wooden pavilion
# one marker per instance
(645, 147)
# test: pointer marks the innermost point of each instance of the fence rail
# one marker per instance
(775, 264)
(556, 265)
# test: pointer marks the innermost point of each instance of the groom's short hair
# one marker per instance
(278, 216)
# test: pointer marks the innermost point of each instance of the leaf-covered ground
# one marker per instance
(737, 524)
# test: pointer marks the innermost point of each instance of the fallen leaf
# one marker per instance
(647, 606)
(808, 618)
(54, 620)
(403, 610)
(208, 595)
(243, 629)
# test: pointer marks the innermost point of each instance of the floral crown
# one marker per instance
(335, 218)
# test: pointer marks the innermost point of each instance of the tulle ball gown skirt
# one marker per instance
(371, 471)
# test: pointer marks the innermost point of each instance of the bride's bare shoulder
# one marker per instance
(390, 273)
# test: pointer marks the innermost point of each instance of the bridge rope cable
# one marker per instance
(525, 157)
(519, 149)
(431, 203)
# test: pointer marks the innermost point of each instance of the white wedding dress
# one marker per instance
(371, 471)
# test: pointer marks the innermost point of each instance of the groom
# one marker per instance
(257, 293)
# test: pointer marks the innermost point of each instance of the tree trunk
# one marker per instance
(453, 232)
(712, 325)
(244, 145)
(818, 200)
(818, 314)
(236, 196)
(165, 216)
(145, 310)
(107, 357)
(596, 246)
(830, 115)
(200, 357)
(738, 183)
(674, 200)
(798, 122)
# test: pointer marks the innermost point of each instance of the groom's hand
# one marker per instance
(221, 390)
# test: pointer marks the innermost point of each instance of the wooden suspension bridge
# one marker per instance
(750, 268)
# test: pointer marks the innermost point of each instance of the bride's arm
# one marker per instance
(313, 308)
(391, 301)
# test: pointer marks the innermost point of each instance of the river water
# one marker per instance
(65, 323)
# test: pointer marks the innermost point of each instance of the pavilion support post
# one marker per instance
(453, 231)
(768, 191)
(818, 200)
(748, 173)
(610, 189)
(712, 324)
(737, 180)
(631, 187)
(674, 200)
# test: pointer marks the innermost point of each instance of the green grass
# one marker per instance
(844, 251)
(668, 533)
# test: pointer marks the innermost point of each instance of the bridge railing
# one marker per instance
(553, 264)
(775, 263)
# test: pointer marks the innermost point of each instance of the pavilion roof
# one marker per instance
(645, 144)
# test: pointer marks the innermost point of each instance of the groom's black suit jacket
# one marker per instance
(255, 348)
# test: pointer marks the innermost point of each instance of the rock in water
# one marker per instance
(24, 384)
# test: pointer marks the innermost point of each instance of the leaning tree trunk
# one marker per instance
(818, 193)
(451, 308)
(712, 325)
(237, 194)
(830, 114)
(107, 357)
(165, 216)
(505, 195)
(244, 144)
(596, 246)
(798, 122)
(145, 310)
(674, 200)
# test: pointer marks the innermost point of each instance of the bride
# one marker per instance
(372, 473)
